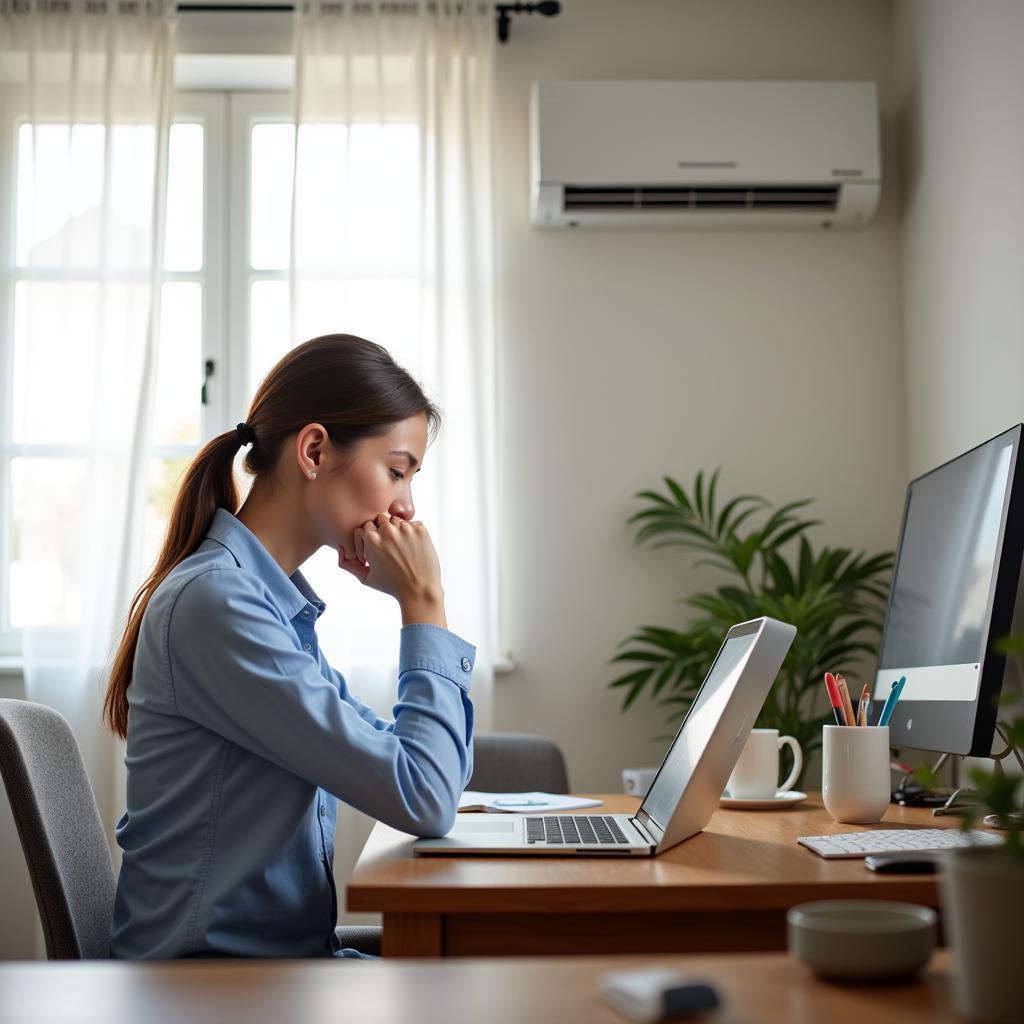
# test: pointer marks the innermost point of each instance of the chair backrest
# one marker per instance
(60, 828)
(517, 763)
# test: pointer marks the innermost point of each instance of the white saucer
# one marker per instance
(787, 799)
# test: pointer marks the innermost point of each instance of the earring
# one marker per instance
(312, 475)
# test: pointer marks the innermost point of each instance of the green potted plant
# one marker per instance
(982, 890)
(834, 596)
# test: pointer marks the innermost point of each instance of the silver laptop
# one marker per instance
(684, 793)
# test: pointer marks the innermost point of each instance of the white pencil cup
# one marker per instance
(855, 772)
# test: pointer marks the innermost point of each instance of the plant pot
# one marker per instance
(982, 894)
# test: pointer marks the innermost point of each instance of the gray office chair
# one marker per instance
(62, 836)
(513, 762)
(60, 830)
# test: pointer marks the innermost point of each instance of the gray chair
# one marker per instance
(62, 836)
(60, 829)
(366, 938)
(513, 762)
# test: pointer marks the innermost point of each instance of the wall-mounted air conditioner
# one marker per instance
(704, 154)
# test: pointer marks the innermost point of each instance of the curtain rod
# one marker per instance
(547, 8)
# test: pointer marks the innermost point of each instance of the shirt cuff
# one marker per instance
(430, 647)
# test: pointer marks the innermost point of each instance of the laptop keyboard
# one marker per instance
(574, 830)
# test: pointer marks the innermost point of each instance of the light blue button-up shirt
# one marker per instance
(240, 736)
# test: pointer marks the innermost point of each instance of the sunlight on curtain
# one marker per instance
(391, 238)
(89, 93)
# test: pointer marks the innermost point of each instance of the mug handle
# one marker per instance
(798, 762)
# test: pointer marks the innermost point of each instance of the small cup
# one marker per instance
(636, 781)
(756, 775)
(855, 772)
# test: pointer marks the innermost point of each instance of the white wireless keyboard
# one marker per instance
(863, 844)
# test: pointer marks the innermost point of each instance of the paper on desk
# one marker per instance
(521, 803)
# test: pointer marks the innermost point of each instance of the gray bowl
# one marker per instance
(861, 940)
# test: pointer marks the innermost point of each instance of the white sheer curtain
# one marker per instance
(391, 238)
(87, 92)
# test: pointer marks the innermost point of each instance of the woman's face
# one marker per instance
(378, 478)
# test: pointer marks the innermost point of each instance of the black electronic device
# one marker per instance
(904, 862)
(913, 794)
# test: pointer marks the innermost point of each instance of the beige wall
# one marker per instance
(960, 92)
(628, 355)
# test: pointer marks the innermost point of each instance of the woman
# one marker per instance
(240, 735)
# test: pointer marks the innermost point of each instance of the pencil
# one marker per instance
(844, 692)
(862, 707)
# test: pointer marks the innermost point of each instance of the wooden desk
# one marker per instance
(725, 889)
(770, 988)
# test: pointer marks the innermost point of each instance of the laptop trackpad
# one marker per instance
(483, 826)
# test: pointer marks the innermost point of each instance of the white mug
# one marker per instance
(636, 781)
(855, 772)
(756, 775)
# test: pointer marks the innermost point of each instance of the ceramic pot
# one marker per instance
(982, 894)
(855, 772)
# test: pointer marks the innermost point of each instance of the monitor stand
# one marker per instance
(963, 796)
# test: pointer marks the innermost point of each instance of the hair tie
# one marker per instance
(246, 435)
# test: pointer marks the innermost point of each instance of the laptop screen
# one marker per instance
(692, 739)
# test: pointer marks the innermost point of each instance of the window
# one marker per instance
(224, 317)
(373, 291)
(50, 282)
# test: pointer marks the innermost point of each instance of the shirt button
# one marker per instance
(306, 613)
(307, 647)
(466, 664)
(323, 810)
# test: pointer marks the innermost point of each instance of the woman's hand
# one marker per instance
(396, 558)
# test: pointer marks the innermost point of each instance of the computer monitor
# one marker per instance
(957, 587)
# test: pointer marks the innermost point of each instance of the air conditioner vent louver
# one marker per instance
(696, 197)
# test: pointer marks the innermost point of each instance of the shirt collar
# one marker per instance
(292, 593)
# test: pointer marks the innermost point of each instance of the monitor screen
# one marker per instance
(692, 738)
(936, 628)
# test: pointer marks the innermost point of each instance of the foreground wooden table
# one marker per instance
(725, 889)
(763, 987)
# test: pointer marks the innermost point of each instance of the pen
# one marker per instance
(862, 706)
(844, 692)
(890, 701)
(521, 803)
(834, 699)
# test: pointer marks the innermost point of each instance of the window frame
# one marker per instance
(245, 109)
(208, 109)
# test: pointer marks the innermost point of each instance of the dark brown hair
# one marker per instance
(349, 385)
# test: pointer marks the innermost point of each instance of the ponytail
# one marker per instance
(209, 484)
(349, 385)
